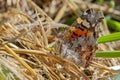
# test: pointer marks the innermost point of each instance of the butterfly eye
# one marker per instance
(90, 11)
(86, 14)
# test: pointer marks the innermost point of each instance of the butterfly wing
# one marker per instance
(80, 45)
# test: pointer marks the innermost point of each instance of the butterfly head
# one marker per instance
(91, 18)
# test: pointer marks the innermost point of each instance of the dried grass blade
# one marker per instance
(60, 13)
(20, 60)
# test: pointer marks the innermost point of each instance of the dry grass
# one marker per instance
(26, 38)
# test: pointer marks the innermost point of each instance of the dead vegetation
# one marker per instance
(27, 39)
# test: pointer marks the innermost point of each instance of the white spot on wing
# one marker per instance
(85, 13)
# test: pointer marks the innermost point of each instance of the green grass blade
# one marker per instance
(109, 38)
(108, 54)
(114, 25)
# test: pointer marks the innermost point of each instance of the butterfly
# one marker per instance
(80, 40)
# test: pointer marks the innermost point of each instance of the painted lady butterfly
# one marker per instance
(80, 40)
